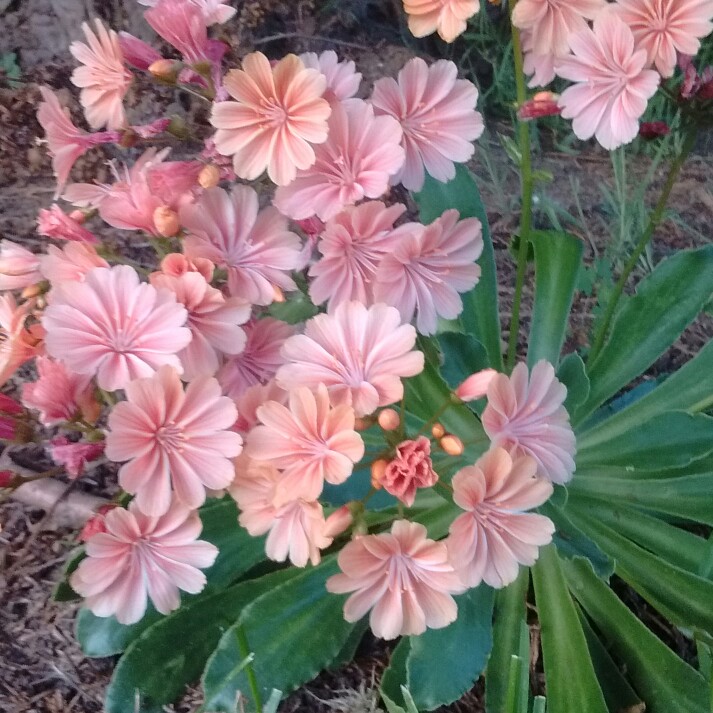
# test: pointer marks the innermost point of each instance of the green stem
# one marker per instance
(249, 672)
(654, 220)
(526, 182)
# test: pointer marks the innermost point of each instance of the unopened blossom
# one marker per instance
(278, 115)
(136, 52)
(342, 78)
(253, 245)
(612, 85)
(650, 130)
(552, 22)
(71, 262)
(476, 385)
(19, 268)
(54, 223)
(542, 104)
(103, 78)
(137, 557)
(667, 28)
(74, 456)
(495, 534)
(213, 320)
(428, 268)
(18, 343)
(437, 113)
(352, 244)
(59, 394)
(113, 327)
(309, 440)
(360, 354)
(404, 578)
(177, 264)
(96, 523)
(447, 17)
(214, 11)
(358, 159)
(526, 416)
(9, 409)
(411, 468)
(173, 440)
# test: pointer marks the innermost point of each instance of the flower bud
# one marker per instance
(166, 221)
(96, 523)
(363, 423)
(338, 521)
(438, 431)
(650, 130)
(6, 477)
(209, 177)
(476, 385)
(452, 445)
(165, 69)
(389, 419)
(378, 468)
(542, 104)
(277, 294)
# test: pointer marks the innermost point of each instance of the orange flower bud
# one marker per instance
(209, 177)
(165, 69)
(277, 294)
(389, 419)
(438, 431)
(378, 468)
(166, 221)
(452, 445)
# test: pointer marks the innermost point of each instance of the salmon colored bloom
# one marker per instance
(54, 223)
(72, 262)
(342, 78)
(526, 416)
(495, 535)
(18, 344)
(253, 245)
(360, 354)
(667, 28)
(177, 264)
(437, 113)
(411, 468)
(102, 77)
(356, 161)
(402, 576)
(250, 401)
(277, 115)
(113, 327)
(173, 438)
(19, 268)
(447, 17)
(612, 85)
(135, 557)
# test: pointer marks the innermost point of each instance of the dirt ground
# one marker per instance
(42, 669)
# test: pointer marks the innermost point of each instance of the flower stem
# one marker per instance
(249, 672)
(654, 220)
(526, 183)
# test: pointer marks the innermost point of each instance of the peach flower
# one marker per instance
(447, 17)
(342, 78)
(72, 262)
(411, 468)
(18, 344)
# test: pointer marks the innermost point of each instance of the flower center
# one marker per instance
(274, 113)
(170, 436)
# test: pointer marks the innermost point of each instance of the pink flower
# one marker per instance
(113, 327)
(539, 67)
(278, 114)
(352, 245)
(250, 401)
(437, 113)
(72, 262)
(19, 268)
(260, 359)
(447, 17)
(136, 52)
(54, 223)
(494, 535)
(342, 78)
(552, 22)
(18, 344)
(212, 318)
(356, 161)
(139, 556)
(613, 85)
(96, 523)
(74, 456)
(311, 442)
(476, 385)
(428, 267)
(256, 248)
(102, 77)
(410, 468)
(527, 417)
(177, 264)
(402, 576)
(183, 25)
(359, 354)
(173, 438)
(60, 395)
(214, 11)
(667, 27)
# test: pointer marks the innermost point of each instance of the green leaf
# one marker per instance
(558, 257)
(463, 355)
(63, 591)
(295, 309)
(662, 679)
(573, 375)
(104, 636)
(439, 680)
(480, 306)
(666, 302)
(570, 680)
(391, 687)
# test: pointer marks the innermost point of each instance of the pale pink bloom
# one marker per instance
(526, 416)
(339, 521)
(665, 28)
(495, 535)
(352, 244)
(74, 456)
(309, 441)
(437, 113)
(173, 438)
(136, 52)
(19, 268)
(613, 86)
(411, 468)
(214, 11)
(359, 354)
(428, 267)
(253, 245)
(183, 25)
(96, 523)
(539, 67)
(72, 262)
(356, 161)
(137, 556)
(552, 22)
(402, 576)
(177, 264)
(250, 401)
(476, 385)
(447, 17)
(212, 318)
(59, 394)
(113, 327)
(18, 344)
(342, 78)
(102, 77)
(54, 223)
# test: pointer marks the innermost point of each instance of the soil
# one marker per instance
(43, 670)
